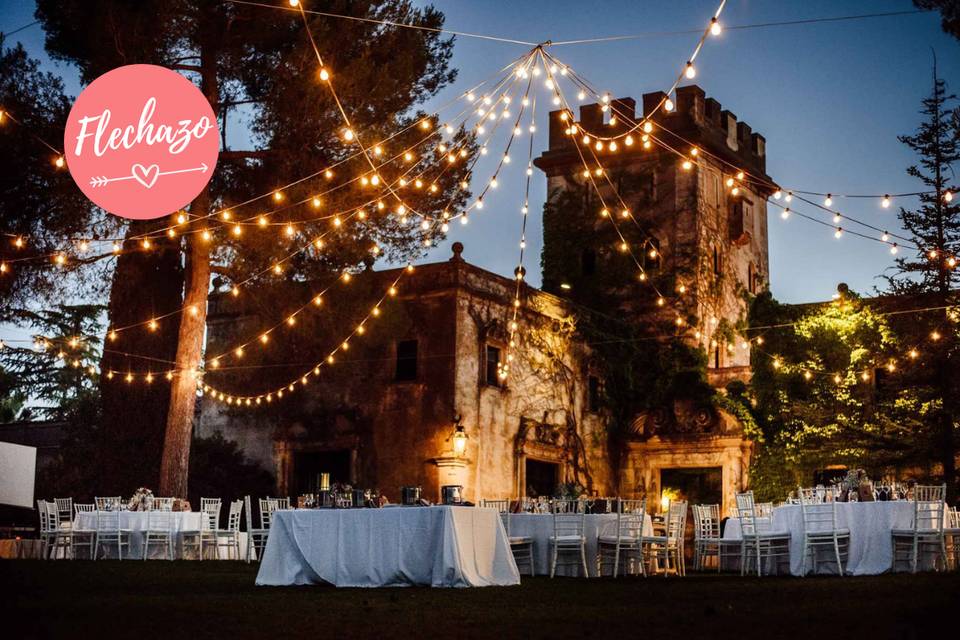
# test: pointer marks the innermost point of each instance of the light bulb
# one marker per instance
(885, 203)
(690, 71)
(785, 213)
(828, 201)
(948, 196)
(715, 27)
(838, 232)
(668, 104)
(348, 134)
(777, 194)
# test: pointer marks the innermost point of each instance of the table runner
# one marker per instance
(441, 546)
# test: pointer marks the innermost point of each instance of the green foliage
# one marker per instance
(824, 395)
(40, 203)
(55, 368)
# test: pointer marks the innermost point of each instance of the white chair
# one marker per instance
(953, 532)
(625, 545)
(163, 504)
(53, 539)
(111, 503)
(110, 533)
(670, 545)
(230, 537)
(927, 534)
(267, 507)
(707, 542)
(209, 523)
(521, 546)
(820, 531)
(83, 536)
(568, 521)
(284, 503)
(758, 541)
(256, 538)
(64, 512)
(159, 531)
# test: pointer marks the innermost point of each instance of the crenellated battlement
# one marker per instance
(695, 118)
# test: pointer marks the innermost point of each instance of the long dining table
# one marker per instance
(439, 546)
(539, 527)
(870, 550)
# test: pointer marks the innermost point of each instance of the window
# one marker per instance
(492, 366)
(593, 394)
(717, 262)
(716, 357)
(716, 188)
(406, 360)
(588, 262)
(750, 279)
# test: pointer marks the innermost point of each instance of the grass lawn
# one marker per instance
(192, 600)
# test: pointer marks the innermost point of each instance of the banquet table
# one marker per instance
(439, 546)
(870, 523)
(539, 527)
(137, 522)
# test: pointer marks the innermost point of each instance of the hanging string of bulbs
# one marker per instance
(740, 177)
(146, 240)
(316, 300)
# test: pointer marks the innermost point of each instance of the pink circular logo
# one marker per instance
(141, 141)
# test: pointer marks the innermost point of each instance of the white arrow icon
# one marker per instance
(145, 175)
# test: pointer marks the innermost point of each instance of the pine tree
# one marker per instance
(931, 274)
(261, 61)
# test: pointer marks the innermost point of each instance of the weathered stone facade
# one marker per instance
(385, 416)
(397, 432)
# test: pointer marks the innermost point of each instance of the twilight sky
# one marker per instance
(830, 98)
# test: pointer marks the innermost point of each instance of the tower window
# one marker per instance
(406, 360)
(716, 357)
(492, 366)
(588, 262)
(717, 262)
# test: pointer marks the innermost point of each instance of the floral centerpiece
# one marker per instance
(858, 482)
(570, 491)
(141, 500)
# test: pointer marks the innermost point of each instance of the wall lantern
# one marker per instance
(459, 437)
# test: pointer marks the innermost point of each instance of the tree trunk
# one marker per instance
(175, 463)
(145, 285)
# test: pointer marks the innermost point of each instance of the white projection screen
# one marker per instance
(18, 470)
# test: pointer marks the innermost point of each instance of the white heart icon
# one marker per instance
(147, 176)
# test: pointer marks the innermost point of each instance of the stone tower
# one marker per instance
(690, 230)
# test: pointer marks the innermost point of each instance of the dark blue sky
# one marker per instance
(830, 98)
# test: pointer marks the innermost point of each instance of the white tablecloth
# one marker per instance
(136, 521)
(439, 546)
(870, 523)
(539, 526)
